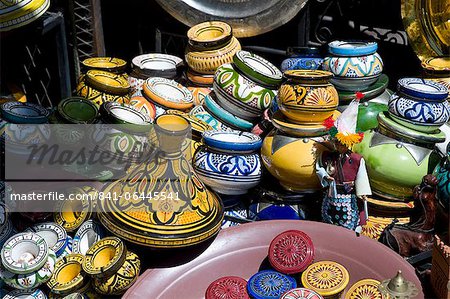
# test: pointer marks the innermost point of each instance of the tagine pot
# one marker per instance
(292, 160)
(169, 207)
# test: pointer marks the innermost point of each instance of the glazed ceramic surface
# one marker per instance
(301, 293)
(268, 284)
(209, 35)
(373, 91)
(19, 138)
(299, 130)
(228, 286)
(366, 288)
(104, 258)
(352, 48)
(89, 233)
(354, 84)
(29, 294)
(68, 276)
(327, 278)
(168, 93)
(197, 79)
(257, 69)
(71, 221)
(54, 235)
(302, 58)
(354, 67)
(368, 115)
(16, 14)
(307, 96)
(229, 119)
(422, 89)
(107, 82)
(110, 64)
(158, 65)
(296, 172)
(142, 105)
(200, 113)
(24, 113)
(273, 211)
(228, 173)
(77, 110)
(199, 94)
(232, 141)
(99, 96)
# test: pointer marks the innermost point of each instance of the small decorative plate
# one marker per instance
(232, 141)
(77, 110)
(24, 253)
(28, 294)
(168, 93)
(258, 69)
(365, 288)
(283, 124)
(422, 89)
(105, 257)
(352, 48)
(110, 64)
(68, 275)
(301, 293)
(87, 235)
(54, 234)
(291, 252)
(229, 119)
(24, 113)
(229, 287)
(157, 65)
(269, 284)
(327, 278)
(108, 82)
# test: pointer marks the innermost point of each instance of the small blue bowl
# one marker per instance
(232, 141)
(352, 48)
(269, 284)
(24, 113)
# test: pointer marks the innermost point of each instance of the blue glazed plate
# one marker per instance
(422, 89)
(228, 118)
(24, 113)
(232, 141)
(269, 284)
(352, 48)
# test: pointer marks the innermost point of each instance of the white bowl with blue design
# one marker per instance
(229, 174)
(54, 234)
(352, 48)
(422, 89)
(354, 67)
(223, 141)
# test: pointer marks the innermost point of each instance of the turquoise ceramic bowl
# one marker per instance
(228, 118)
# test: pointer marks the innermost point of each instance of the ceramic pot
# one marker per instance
(352, 48)
(100, 86)
(54, 235)
(75, 110)
(378, 89)
(157, 65)
(273, 211)
(239, 95)
(19, 13)
(24, 113)
(123, 279)
(284, 125)
(421, 89)
(242, 142)
(226, 286)
(327, 278)
(70, 217)
(230, 174)
(168, 93)
(307, 97)
(279, 154)
(186, 213)
(353, 67)
(201, 113)
(30, 294)
(197, 79)
(68, 276)
(108, 64)
(366, 288)
(391, 148)
(209, 35)
(354, 84)
(302, 58)
(89, 233)
(143, 106)
(198, 126)
(19, 138)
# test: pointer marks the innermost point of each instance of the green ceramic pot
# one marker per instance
(367, 115)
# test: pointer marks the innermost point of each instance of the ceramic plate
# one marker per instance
(168, 93)
(125, 114)
(227, 287)
(54, 234)
(232, 141)
(89, 233)
(110, 64)
(158, 65)
(268, 284)
(108, 82)
(422, 89)
(231, 120)
(326, 277)
(283, 124)
(352, 48)
(257, 68)
(24, 113)
(26, 294)
(78, 110)
(371, 92)
(301, 293)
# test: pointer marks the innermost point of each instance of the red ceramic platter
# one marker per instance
(240, 251)
(291, 252)
(228, 287)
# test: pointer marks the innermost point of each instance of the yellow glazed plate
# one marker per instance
(365, 289)
(326, 278)
(110, 64)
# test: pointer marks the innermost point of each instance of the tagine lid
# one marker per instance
(108, 82)
(399, 287)
(72, 262)
(308, 75)
(268, 284)
(291, 252)
(257, 68)
(109, 247)
(301, 293)
(352, 48)
(30, 294)
(422, 89)
(326, 278)
(211, 34)
(78, 110)
(228, 287)
(110, 64)
(51, 232)
(24, 113)
(232, 141)
(366, 288)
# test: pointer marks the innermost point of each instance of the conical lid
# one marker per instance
(398, 287)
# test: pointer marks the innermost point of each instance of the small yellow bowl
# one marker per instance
(68, 276)
(110, 64)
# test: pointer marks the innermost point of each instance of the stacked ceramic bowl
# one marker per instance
(243, 90)
(302, 58)
(229, 163)
(210, 45)
(304, 101)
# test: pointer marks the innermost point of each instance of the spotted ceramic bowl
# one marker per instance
(354, 67)
(227, 173)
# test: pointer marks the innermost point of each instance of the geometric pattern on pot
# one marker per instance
(423, 112)
(54, 234)
(200, 113)
(359, 66)
(243, 89)
(422, 89)
(168, 93)
(312, 97)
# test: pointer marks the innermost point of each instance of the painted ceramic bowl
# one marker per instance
(136, 83)
(20, 13)
(422, 89)
(87, 235)
(228, 286)
(301, 293)
(274, 210)
(76, 110)
(71, 215)
(354, 67)
(207, 61)
(201, 113)
(366, 288)
(199, 94)
(24, 113)
(198, 126)
(227, 173)
(209, 35)
(197, 79)
(226, 117)
(354, 84)
(168, 93)
(283, 124)
(307, 96)
(258, 69)
(269, 284)
(352, 48)
(123, 279)
(280, 155)
(143, 106)
(327, 278)
(124, 114)
(31, 280)
(302, 58)
(242, 142)
(157, 65)
(109, 64)
(29, 294)
(242, 96)
(68, 276)
(54, 235)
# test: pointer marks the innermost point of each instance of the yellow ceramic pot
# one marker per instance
(292, 160)
(68, 276)
(307, 96)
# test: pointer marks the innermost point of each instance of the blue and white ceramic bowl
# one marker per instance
(352, 48)
(354, 67)
(422, 89)
(243, 142)
(229, 174)
(302, 58)
(24, 113)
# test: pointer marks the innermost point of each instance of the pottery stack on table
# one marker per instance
(210, 45)
(305, 101)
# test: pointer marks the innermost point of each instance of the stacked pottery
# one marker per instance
(305, 101)
(302, 58)
(27, 261)
(55, 236)
(211, 44)
(401, 150)
(107, 64)
(229, 163)
(244, 90)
